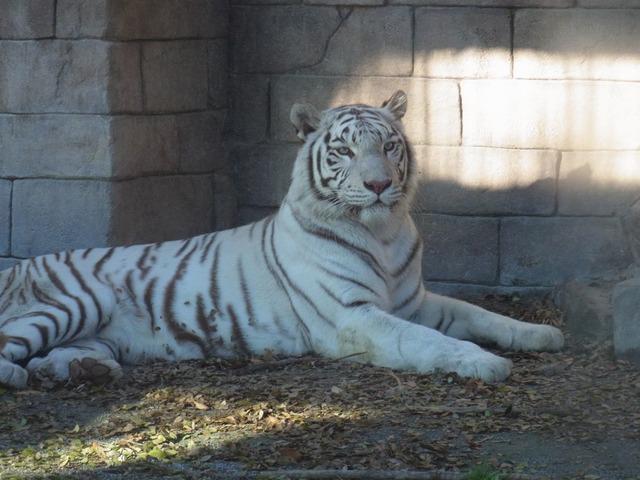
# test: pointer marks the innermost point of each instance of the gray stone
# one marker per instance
(365, 3)
(54, 146)
(631, 223)
(463, 42)
(586, 309)
(249, 109)
(609, 3)
(459, 249)
(54, 215)
(188, 143)
(278, 39)
(598, 183)
(175, 75)
(248, 215)
(474, 292)
(142, 19)
(486, 181)
(626, 320)
(224, 203)
(369, 41)
(577, 44)
(155, 209)
(490, 3)
(263, 173)
(63, 76)
(549, 251)
(217, 59)
(8, 262)
(433, 115)
(564, 115)
(26, 18)
(5, 217)
(264, 2)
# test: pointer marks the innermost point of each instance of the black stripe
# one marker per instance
(44, 334)
(453, 319)
(44, 298)
(185, 244)
(100, 263)
(214, 289)
(246, 296)
(350, 280)
(440, 320)
(83, 285)
(116, 355)
(206, 247)
(412, 254)
(202, 319)
(144, 270)
(148, 303)
(21, 341)
(237, 337)
(55, 280)
(409, 299)
(355, 303)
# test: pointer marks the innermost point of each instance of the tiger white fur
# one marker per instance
(336, 271)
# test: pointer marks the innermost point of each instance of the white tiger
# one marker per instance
(336, 272)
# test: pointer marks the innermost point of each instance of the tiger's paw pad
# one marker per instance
(97, 372)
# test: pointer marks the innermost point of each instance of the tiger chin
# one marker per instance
(337, 272)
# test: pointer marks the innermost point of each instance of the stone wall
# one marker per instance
(111, 122)
(524, 113)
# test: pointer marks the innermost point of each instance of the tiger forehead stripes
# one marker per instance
(336, 271)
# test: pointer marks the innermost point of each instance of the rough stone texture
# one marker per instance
(490, 3)
(5, 216)
(253, 214)
(63, 76)
(463, 249)
(175, 75)
(280, 38)
(53, 215)
(371, 41)
(26, 18)
(249, 109)
(481, 181)
(263, 173)
(586, 309)
(550, 114)
(471, 291)
(577, 43)
(217, 56)
(224, 201)
(180, 206)
(631, 223)
(609, 3)
(598, 183)
(142, 19)
(463, 42)
(548, 251)
(626, 320)
(7, 262)
(365, 3)
(433, 116)
(54, 145)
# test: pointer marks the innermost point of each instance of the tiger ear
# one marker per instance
(305, 118)
(396, 105)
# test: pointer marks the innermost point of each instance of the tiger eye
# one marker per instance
(388, 146)
(345, 151)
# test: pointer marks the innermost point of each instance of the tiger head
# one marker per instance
(355, 162)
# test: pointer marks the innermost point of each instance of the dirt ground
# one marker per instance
(570, 415)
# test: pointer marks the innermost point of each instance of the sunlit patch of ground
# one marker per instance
(196, 419)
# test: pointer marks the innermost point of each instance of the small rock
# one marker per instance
(626, 320)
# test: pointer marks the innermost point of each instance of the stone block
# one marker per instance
(626, 320)
(571, 115)
(265, 2)
(490, 3)
(63, 76)
(364, 3)
(586, 309)
(486, 181)
(609, 3)
(369, 41)
(54, 215)
(598, 183)
(5, 217)
(155, 209)
(459, 249)
(433, 115)
(249, 108)
(54, 146)
(475, 292)
(463, 42)
(577, 43)
(8, 262)
(175, 75)
(187, 143)
(549, 251)
(217, 60)
(142, 19)
(631, 222)
(26, 18)
(225, 202)
(278, 39)
(262, 173)
(248, 215)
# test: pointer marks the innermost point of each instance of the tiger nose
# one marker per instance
(377, 187)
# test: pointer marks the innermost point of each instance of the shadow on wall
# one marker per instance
(523, 121)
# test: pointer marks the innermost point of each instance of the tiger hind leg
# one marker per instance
(83, 361)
